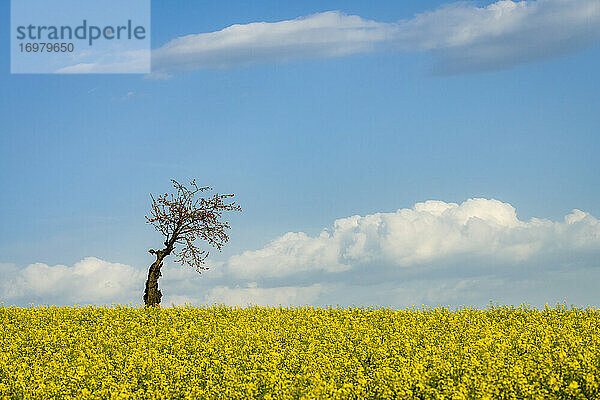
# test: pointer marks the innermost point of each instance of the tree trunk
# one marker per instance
(152, 295)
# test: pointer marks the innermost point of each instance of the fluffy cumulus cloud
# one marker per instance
(89, 281)
(462, 37)
(251, 294)
(430, 233)
(432, 253)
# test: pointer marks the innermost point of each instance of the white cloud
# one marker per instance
(89, 281)
(283, 295)
(123, 62)
(432, 253)
(462, 37)
(328, 34)
(433, 232)
(468, 38)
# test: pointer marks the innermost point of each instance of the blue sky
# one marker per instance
(301, 143)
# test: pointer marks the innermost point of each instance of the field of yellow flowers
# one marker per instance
(218, 352)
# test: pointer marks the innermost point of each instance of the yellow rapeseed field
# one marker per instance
(219, 352)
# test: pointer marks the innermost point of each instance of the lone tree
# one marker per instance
(183, 218)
